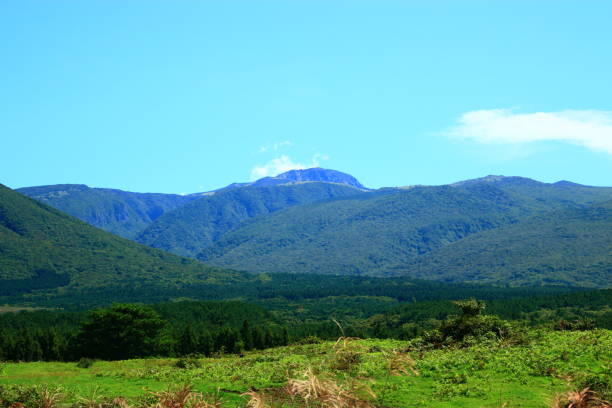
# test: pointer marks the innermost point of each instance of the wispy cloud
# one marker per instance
(282, 164)
(275, 146)
(589, 128)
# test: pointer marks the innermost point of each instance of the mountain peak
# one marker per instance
(320, 174)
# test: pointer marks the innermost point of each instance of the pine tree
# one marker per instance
(205, 344)
(51, 344)
(246, 336)
(268, 338)
(258, 338)
(284, 337)
(26, 348)
(188, 343)
(231, 341)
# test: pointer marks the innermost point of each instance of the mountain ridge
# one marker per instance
(290, 223)
(124, 213)
(196, 225)
(367, 234)
(39, 243)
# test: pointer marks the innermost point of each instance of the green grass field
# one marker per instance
(487, 374)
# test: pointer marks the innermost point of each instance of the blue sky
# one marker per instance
(181, 96)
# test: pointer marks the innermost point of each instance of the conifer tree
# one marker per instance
(188, 343)
(205, 344)
(246, 335)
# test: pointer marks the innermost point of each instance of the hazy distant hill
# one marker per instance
(380, 232)
(121, 212)
(197, 225)
(42, 248)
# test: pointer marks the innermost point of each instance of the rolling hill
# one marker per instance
(43, 248)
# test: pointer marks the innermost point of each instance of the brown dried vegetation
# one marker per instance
(400, 363)
(326, 393)
(585, 398)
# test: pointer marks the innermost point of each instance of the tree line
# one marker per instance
(124, 331)
(205, 328)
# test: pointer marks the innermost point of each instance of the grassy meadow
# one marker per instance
(529, 372)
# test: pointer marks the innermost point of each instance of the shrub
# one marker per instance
(188, 363)
(308, 340)
(28, 396)
(473, 323)
(85, 362)
(576, 325)
(345, 360)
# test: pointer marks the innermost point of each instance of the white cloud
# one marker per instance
(275, 146)
(589, 128)
(282, 164)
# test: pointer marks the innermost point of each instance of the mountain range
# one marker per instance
(496, 229)
(418, 232)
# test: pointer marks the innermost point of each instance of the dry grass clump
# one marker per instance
(120, 402)
(184, 397)
(256, 400)
(91, 402)
(328, 394)
(580, 399)
(347, 354)
(343, 342)
(49, 399)
(400, 363)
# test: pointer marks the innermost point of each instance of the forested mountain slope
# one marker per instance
(128, 214)
(198, 224)
(569, 247)
(379, 233)
(121, 212)
(43, 248)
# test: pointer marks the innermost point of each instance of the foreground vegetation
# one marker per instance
(526, 371)
(470, 359)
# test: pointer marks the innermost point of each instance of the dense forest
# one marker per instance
(190, 327)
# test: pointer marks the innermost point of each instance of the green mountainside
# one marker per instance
(50, 259)
(571, 246)
(127, 214)
(384, 233)
(198, 224)
(120, 212)
(42, 248)
(496, 229)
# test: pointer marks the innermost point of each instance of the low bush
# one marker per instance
(188, 363)
(85, 362)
